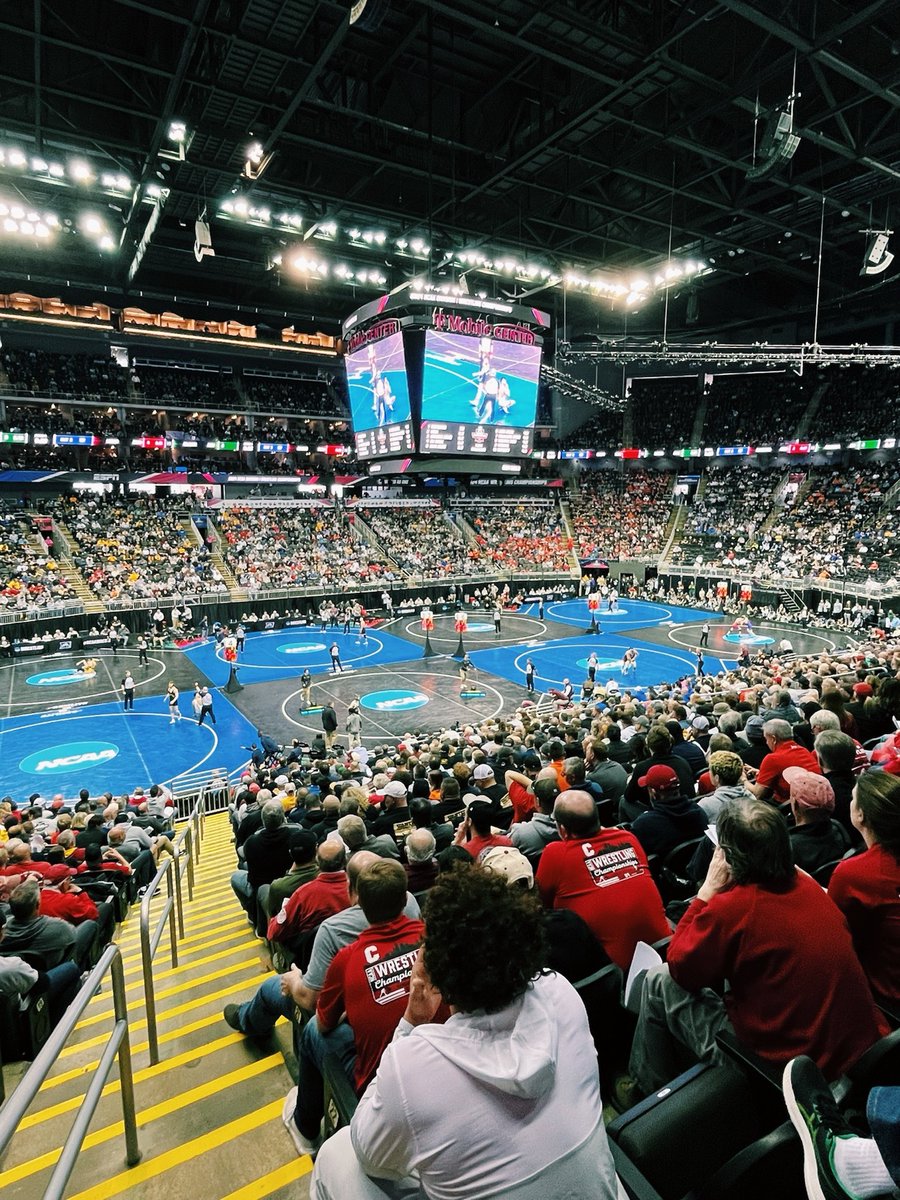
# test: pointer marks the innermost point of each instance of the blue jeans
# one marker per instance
(883, 1112)
(314, 1045)
(258, 1016)
(63, 983)
(240, 885)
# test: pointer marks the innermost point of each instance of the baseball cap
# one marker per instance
(700, 722)
(509, 862)
(482, 771)
(862, 689)
(659, 776)
(808, 790)
(395, 789)
(753, 730)
(57, 872)
(471, 798)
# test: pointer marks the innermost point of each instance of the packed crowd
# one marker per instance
(69, 870)
(301, 394)
(664, 411)
(341, 849)
(40, 372)
(621, 515)
(858, 402)
(722, 525)
(185, 387)
(601, 431)
(30, 577)
(137, 550)
(756, 409)
(295, 547)
(419, 540)
(512, 535)
(836, 528)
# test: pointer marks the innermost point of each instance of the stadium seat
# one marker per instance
(25, 1025)
(772, 1167)
(340, 1098)
(690, 1128)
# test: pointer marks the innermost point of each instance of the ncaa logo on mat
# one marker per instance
(300, 647)
(394, 701)
(67, 756)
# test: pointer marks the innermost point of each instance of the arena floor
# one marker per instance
(60, 731)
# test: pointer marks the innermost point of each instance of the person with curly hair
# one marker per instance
(501, 1100)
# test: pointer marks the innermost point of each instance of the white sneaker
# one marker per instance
(304, 1145)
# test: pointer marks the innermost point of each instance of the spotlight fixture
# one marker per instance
(877, 257)
(179, 138)
(255, 160)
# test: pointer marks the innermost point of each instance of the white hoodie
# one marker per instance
(506, 1104)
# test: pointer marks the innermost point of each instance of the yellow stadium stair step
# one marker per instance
(209, 1112)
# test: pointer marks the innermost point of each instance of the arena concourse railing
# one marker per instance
(118, 1047)
(855, 589)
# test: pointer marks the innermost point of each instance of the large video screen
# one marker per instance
(479, 395)
(379, 398)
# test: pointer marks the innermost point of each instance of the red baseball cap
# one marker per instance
(660, 777)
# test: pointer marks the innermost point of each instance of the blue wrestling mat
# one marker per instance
(102, 748)
(566, 658)
(284, 653)
(631, 614)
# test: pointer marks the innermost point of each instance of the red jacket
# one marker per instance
(867, 891)
(796, 986)
(73, 907)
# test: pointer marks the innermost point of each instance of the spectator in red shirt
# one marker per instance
(368, 981)
(305, 910)
(603, 876)
(474, 833)
(767, 781)
(795, 983)
(61, 897)
(867, 888)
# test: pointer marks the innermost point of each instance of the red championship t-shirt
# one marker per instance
(605, 879)
(369, 981)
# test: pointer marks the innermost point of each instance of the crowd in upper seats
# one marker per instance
(601, 431)
(419, 540)
(664, 411)
(860, 402)
(186, 386)
(41, 372)
(723, 523)
(756, 409)
(836, 527)
(136, 550)
(512, 536)
(300, 546)
(30, 577)
(301, 394)
(621, 515)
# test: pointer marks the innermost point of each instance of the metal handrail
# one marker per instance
(118, 1046)
(150, 942)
